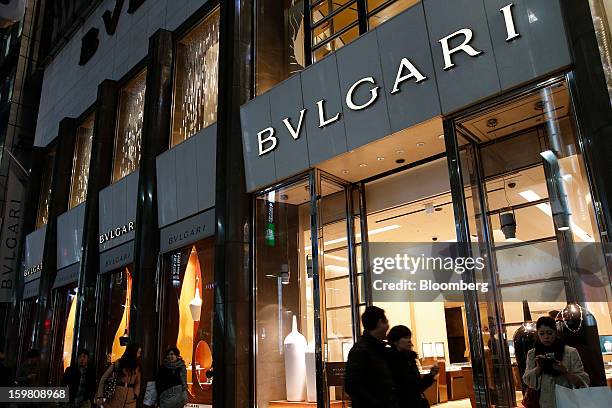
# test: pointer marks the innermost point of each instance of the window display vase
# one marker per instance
(195, 306)
(295, 364)
(311, 377)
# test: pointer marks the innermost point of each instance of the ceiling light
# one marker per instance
(492, 122)
(363, 165)
(399, 152)
(530, 196)
(345, 172)
(441, 136)
(400, 161)
(420, 144)
(508, 225)
(380, 158)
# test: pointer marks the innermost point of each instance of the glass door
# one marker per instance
(531, 210)
(304, 291)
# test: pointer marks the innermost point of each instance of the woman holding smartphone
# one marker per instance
(551, 362)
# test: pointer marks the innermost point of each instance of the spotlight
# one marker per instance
(508, 225)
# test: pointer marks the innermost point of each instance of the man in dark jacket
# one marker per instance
(81, 381)
(368, 378)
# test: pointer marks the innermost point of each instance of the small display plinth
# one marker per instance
(303, 404)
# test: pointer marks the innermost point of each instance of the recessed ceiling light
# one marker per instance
(441, 136)
(400, 161)
(380, 158)
(363, 165)
(345, 172)
(399, 152)
(420, 144)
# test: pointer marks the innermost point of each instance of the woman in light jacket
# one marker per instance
(128, 380)
(552, 362)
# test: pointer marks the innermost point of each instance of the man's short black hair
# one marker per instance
(371, 316)
(83, 351)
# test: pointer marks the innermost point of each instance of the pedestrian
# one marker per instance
(29, 373)
(126, 370)
(402, 360)
(368, 378)
(80, 378)
(549, 363)
(6, 374)
(171, 382)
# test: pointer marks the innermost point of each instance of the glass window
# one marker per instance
(64, 313)
(380, 11)
(284, 298)
(42, 216)
(189, 314)
(80, 166)
(544, 244)
(280, 41)
(117, 297)
(334, 24)
(129, 129)
(196, 80)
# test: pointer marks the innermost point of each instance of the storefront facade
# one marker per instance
(220, 177)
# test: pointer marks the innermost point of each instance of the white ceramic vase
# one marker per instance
(295, 364)
(311, 377)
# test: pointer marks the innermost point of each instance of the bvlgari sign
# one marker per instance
(433, 59)
(267, 141)
(117, 232)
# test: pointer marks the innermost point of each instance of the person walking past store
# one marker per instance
(6, 374)
(368, 378)
(80, 378)
(120, 384)
(405, 371)
(171, 382)
(29, 373)
(549, 363)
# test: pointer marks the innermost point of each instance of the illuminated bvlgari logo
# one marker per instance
(117, 232)
(32, 270)
(267, 141)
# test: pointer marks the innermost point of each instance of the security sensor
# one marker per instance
(511, 184)
(434, 238)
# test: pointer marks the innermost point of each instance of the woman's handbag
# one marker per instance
(531, 398)
(110, 385)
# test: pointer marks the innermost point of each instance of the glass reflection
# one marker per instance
(129, 130)
(196, 81)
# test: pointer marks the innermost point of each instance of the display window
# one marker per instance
(27, 327)
(533, 209)
(188, 310)
(196, 80)
(115, 319)
(380, 11)
(128, 137)
(80, 162)
(64, 313)
(42, 215)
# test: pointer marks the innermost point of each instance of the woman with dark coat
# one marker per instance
(171, 383)
(405, 371)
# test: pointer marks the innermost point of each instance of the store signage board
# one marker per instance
(400, 74)
(117, 257)
(70, 236)
(33, 255)
(67, 276)
(187, 231)
(118, 212)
